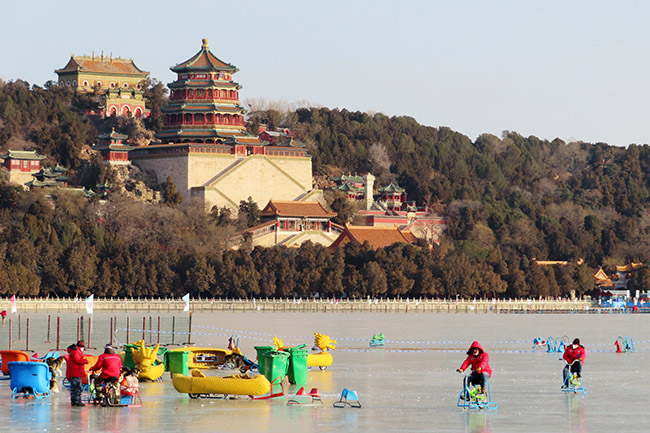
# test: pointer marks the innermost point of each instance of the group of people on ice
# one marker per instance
(479, 360)
(107, 368)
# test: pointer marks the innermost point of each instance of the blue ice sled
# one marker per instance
(29, 378)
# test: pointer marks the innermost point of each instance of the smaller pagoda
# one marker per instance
(112, 148)
(51, 177)
(392, 195)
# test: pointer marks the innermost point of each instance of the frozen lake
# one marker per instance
(410, 385)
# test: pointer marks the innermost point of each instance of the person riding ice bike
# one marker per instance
(110, 365)
(574, 356)
(479, 360)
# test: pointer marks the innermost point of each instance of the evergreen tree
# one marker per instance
(249, 213)
(170, 194)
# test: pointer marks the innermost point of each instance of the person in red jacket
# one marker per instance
(574, 356)
(110, 365)
(479, 360)
(74, 371)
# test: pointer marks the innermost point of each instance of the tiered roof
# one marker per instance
(377, 237)
(49, 177)
(349, 178)
(112, 141)
(392, 188)
(102, 65)
(205, 70)
(348, 187)
(23, 155)
(303, 209)
(204, 61)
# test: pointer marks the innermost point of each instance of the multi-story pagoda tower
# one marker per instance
(204, 102)
(205, 148)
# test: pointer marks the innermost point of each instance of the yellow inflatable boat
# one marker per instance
(322, 360)
(204, 357)
(198, 385)
(145, 358)
(153, 372)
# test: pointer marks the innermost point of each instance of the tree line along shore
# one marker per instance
(509, 201)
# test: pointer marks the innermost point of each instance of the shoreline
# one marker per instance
(518, 306)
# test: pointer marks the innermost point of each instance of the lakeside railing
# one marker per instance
(420, 305)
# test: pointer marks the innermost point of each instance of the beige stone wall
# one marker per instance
(296, 239)
(21, 177)
(258, 178)
(168, 165)
(299, 168)
(317, 237)
(204, 167)
(225, 180)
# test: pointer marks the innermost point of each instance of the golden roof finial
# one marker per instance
(205, 44)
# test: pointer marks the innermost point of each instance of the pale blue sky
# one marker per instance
(578, 70)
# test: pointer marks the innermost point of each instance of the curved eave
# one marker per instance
(176, 109)
(203, 84)
(141, 75)
(194, 132)
(182, 68)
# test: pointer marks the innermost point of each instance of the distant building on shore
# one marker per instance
(389, 207)
(119, 81)
(377, 237)
(291, 223)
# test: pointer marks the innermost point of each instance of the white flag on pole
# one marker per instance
(186, 299)
(89, 304)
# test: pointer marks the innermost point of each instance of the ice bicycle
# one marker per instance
(476, 397)
(573, 384)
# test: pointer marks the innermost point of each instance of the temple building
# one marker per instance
(291, 223)
(21, 165)
(389, 208)
(204, 145)
(51, 177)
(118, 80)
(352, 186)
(113, 149)
(377, 237)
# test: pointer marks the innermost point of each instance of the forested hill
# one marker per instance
(507, 200)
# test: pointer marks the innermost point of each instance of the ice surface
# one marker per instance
(407, 386)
